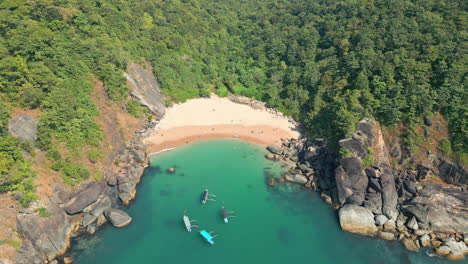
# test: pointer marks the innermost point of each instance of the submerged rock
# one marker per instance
(357, 219)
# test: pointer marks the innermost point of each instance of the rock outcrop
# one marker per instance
(23, 127)
(146, 88)
(83, 198)
(44, 237)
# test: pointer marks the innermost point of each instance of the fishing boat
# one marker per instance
(226, 215)
(206, 195)
(207, 236)
(188, 223)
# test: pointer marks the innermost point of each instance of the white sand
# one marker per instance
(215, 117)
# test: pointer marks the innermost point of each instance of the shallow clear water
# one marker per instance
(273, 225)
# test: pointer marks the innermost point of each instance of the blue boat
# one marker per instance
(207, 236)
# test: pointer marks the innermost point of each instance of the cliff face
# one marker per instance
(89, 205)
(145, 87)
(392, 201)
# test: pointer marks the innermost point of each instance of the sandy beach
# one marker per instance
(205, 118)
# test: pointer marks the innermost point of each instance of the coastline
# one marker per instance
(206, 118)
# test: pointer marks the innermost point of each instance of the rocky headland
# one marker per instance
(375, 196)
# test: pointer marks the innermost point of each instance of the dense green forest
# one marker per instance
(326, 63)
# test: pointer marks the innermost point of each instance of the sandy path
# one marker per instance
(205, 118)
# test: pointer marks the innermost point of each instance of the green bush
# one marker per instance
(74, 173)
(43, 212)
(53, 154)
(94, 155)
(27, 198)
(10, 242)
(345, 153)
(135, 108)
(445, 146)
(369, 160)
(221, 90)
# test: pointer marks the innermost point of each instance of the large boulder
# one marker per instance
(82, 199)
(46, 237)
(118, 218)
(357, 219)
(366, 127)
(343, 185)
(355, 145)
(146, 88)
(23, 127)
(357, 177)
(373, 202)
(453, 173)
(275, 149)
(389, 194)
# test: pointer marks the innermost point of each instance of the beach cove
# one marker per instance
(273, 225)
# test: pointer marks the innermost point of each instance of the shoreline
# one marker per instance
(170, 138)
(207, 118)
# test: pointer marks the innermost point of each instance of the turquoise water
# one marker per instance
(273, 225)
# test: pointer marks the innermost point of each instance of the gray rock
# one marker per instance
(427, 121)
(425, 240)
(453, 173)
(23, 127)
(443, 250)
(27, 254)
(103, 204)
(26, 211)
(48, 236)
(386, 235)
(357, 219)
(366, 127)
(390, 226)
(343, 185)
(146, 88)
(457, 249)
(139, 156)
(90, 230)
(395, 151)
(373, 202)
(275, 149)
(82, 199)
(412, 224)
(18, 195)
(112, 181)
(410, 244)
(416, 210)
(389, 194)
(124, 197)
(357, 177)
(118, 218)
(380, 220)
(128, 187)
(88, 219)
(354, 145)
(298, 178)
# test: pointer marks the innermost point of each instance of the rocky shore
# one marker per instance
(85, 210)
(376, 197)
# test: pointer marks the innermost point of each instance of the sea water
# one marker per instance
(281, 224)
